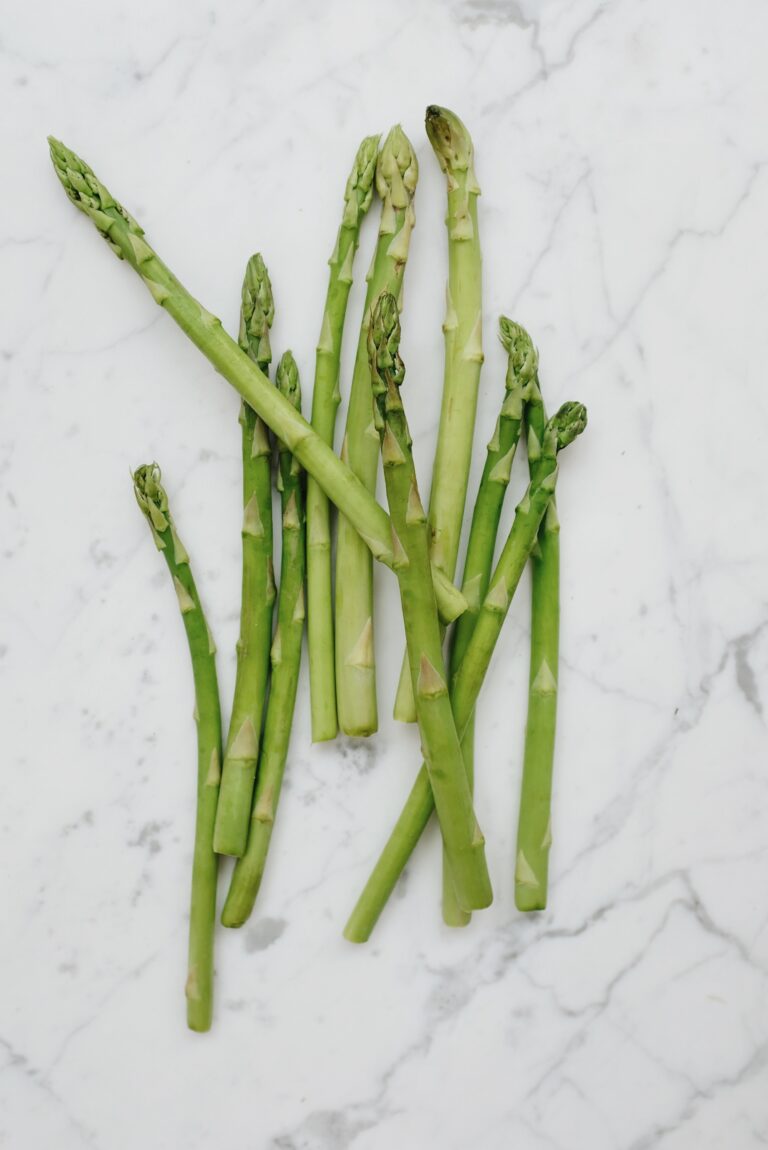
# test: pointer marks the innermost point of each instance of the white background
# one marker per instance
(621, 148)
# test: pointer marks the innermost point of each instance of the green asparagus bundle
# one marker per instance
(463, 328)
(127, 240)
(258, 589)
(153, 502)
(396, 175)
(286, 659)
(464, 843)
(237, 800)
(478, 564)
(561, 430)
(326, 397)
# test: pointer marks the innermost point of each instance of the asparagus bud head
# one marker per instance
(566, 425)
(257, 312)
(523, 356)
(397, 171)
(450, 140)
(387, 368)
(88, 194)
(287, 379)
(359, 190)
(150, 496)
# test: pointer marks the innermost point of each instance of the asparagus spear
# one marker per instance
(463, 328)
(464, 843)
(561, 430)
(534, 834)
(258, 590)
(286, 659)
(396, 176)
(153, 502)
(325, 401)
(478, 564)
(126, 239)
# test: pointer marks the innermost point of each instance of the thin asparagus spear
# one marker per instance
(463, 328)
(534, 833)
(153, 502)
(478, 564)
(326, 397)
(286, 660)
(561, 430)
(464, 843)
(126, 239)
(396, 176)
(233, 813)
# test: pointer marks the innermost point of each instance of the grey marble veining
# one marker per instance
(622, 153)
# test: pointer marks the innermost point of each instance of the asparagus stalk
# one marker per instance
(464, 843)
(561, 430)
(478, 564)
(326, 397)
(463, 328)
(534, 834)
(126, 239)
(396, 176)
(258, 590)
(153, 502)
(286, 660)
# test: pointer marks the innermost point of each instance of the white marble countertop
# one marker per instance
(622, 153)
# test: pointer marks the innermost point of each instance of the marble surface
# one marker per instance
(621, 149)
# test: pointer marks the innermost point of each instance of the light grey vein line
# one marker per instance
(546, 70)
(757, 1061)
(21, 1064)
(663, 266)
(609, 823)
(129, 976)
(149, 72)
(98, 349)
(550, 239)
(612, 691)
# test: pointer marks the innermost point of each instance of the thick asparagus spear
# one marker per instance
(478, 564)
(463, 328)
(561, 430)
(126, 239)
(286, 660)
(326, 397)
(534, 834)
(396, 176)
(153, 502)
(464, 843)
(233, 813)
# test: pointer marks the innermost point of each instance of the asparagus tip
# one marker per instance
(397, 169)
(287, 379)
(257, 311)
(387, 368)
(359, 190)
(449, 138)
(567, 423)
(149, 491)
(523, 356)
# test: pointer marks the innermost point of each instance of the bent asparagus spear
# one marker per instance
(326, 397)
(153, 501)
(463, 840)
(561, 430)
(286, 660)
(463, 328)
(396, 175)
(233, 813)
(478, 564)
(126, 239)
